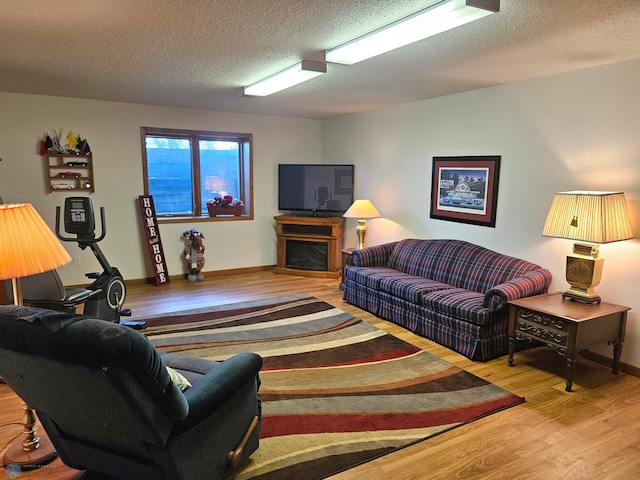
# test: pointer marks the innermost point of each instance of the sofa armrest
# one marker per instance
(534, 282)
(219, 385)
(376, 256)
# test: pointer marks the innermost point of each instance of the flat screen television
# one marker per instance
(315, 188)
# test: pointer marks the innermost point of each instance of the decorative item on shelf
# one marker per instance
(27, 247)
(226, 205)
(71, 144)
(593, 217)
(194, 254)
(361, 209)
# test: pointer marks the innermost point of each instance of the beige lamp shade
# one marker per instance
(596, 217)
(593, 217)
(27, 244)
(362, 209)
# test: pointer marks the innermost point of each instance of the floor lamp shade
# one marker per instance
(593, 218)
(27, 244)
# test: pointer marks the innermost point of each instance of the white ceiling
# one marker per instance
(200, 53)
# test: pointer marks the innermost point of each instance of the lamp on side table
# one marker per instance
(592, 217)
(361, 209)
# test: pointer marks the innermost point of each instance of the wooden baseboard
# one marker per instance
(211, 273)
(606, 361)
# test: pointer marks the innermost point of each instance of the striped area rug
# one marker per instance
(336, 390)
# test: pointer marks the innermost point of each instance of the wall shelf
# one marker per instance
(69, 172)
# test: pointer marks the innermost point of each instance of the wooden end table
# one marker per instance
(347, 259)
(566, 326)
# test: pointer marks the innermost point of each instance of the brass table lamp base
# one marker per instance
(583, 273)
(581, 298)
(33, 451)
(361, 231)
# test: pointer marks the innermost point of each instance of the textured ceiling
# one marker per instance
(200, 53)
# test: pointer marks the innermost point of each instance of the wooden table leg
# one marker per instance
(617, 343)
(617, 351)
(571, 365)
(511, 334)
(512, 348)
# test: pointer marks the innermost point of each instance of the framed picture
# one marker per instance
(465, 189)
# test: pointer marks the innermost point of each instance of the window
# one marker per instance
(183, 169)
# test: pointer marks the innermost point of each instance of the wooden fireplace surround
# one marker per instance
(325, 230)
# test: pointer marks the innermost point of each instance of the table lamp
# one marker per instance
(361, 209)
(593, 218)
(27, 247)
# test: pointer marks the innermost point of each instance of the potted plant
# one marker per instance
(226, 205)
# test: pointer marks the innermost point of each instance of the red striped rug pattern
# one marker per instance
(336, 391)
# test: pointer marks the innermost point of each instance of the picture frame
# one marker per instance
(465, 189)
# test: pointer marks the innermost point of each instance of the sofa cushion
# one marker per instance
(369, 276)
(419, 257)
(457, 263)
(459, 303)
(409, 287)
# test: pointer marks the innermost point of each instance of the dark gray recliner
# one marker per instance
(106, 400)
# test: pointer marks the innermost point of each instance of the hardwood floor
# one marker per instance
(592, 433)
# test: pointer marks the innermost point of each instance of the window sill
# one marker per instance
(203, 218)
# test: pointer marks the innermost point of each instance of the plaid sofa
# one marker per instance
(450, 291)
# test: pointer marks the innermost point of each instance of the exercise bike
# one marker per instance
(79, 219)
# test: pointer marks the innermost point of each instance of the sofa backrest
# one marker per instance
(457, 263)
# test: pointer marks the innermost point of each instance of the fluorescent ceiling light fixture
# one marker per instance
(442, 16)
(300, 72)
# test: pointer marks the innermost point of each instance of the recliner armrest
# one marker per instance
(217, 387)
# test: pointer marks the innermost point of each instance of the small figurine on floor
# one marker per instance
(194, 254)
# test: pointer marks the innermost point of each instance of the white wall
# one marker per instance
(579, 130)
(113, 132)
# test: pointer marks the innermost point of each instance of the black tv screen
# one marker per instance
(315, 187)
